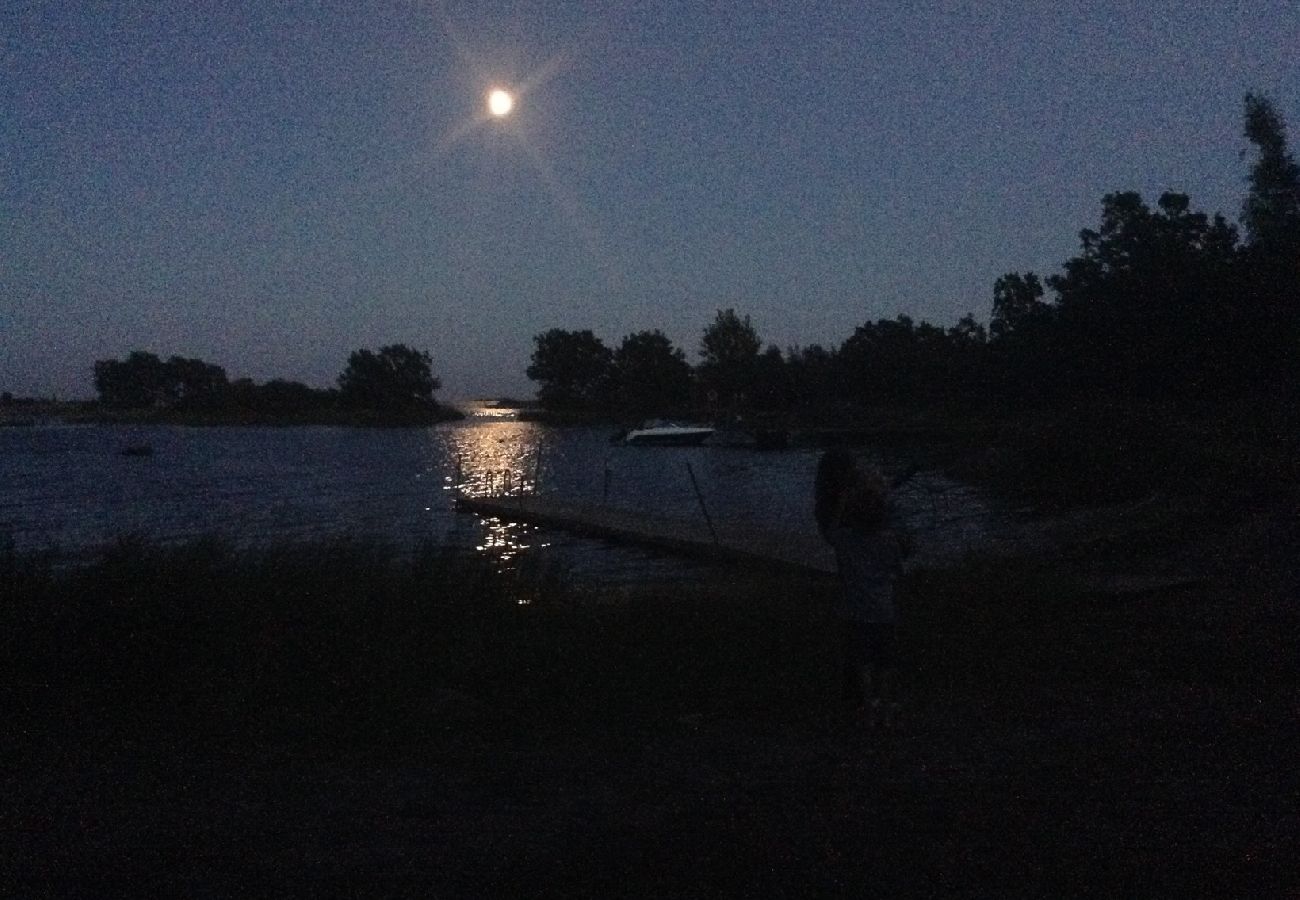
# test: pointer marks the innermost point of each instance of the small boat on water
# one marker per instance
(138, 450)
(661, 433)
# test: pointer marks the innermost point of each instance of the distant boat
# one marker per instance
(661, 433)
(138, 450)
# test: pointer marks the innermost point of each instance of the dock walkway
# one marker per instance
(736, 542)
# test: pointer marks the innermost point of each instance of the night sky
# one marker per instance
(268, 186)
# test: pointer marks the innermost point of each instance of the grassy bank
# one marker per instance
(343, 718)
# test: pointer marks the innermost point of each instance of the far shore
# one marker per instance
(90, 412)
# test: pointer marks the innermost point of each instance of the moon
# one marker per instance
(500, 102)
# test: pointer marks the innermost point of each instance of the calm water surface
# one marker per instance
(71, 489)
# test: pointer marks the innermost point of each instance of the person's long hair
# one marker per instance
(846, 495)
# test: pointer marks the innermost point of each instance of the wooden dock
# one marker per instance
(735, 542)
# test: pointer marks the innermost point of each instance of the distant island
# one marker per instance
(391, 388)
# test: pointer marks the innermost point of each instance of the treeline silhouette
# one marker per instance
(1163, 307)
(394, 384)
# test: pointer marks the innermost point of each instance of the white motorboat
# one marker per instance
(661, 433)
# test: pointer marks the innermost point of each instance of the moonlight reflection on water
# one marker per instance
(69, 489)
(501, 458)
(496, 458)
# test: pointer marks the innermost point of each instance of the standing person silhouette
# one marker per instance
(852, 509)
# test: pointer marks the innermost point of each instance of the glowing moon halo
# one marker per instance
(500, 102)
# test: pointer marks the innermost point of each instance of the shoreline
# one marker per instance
(219, 718)
(90, 413)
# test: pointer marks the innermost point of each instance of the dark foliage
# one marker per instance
(1140, 309)
(574, 370)
(392, 386)
(1163, 309)
(396, 377)
(143, 380)
(1271, 212)
(729, 360)
(649, 375)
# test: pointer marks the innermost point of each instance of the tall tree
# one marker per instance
(968, 331)
(880, 361)
(812, 372)
(397, 377)
(1016, 299)
(198, 385)
(650, 375)
(1270, 326)
(1271, 212)
(772, 389)
(139, 381)
(573, 369)
(728, 358)
(1138, 306)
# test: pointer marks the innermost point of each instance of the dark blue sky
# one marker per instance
(268, 186)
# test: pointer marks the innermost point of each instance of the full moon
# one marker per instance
(500, 102)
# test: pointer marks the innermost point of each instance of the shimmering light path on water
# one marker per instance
(71, 489)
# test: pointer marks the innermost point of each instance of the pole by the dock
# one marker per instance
(700, 498)
(537, 468)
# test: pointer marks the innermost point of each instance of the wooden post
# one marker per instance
(537, 468)
(700, 497)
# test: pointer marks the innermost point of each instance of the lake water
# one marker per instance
(71, 488)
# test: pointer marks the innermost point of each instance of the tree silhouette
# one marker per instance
(573, 369)
(395, 378)
(881, 360)
(197, 384)
(143, 380)
(1138, 307)
(728, 358)
(1271, 212)
(136, 382)
(1016, 299)
(969, 331)
(650, 375)
(1270, 325)
(771, 388)
(813, 376)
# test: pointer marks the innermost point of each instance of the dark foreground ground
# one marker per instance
(337, 721)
